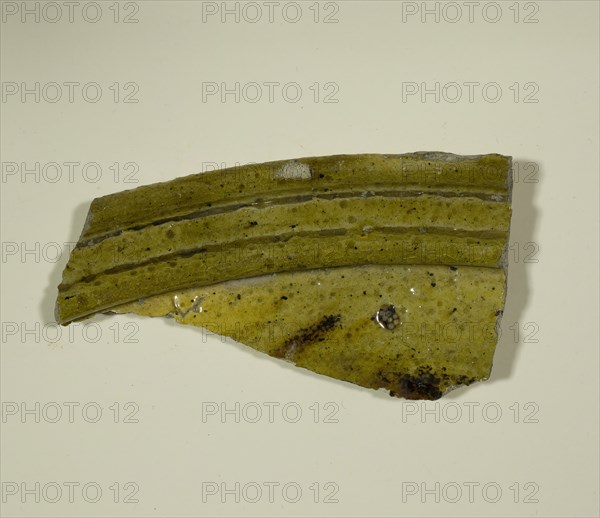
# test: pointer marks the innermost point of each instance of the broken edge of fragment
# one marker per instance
(503, 263)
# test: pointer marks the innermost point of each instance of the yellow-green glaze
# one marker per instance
(323, 320)
(295, 258)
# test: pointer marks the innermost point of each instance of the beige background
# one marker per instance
(526, 442)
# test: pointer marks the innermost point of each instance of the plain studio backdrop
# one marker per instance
(129, 416)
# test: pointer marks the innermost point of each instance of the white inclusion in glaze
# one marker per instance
(294, 171)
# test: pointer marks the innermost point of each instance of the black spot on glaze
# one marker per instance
(295, 345)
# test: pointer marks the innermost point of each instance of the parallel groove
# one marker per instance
(224, 207)
(484, 236)
(191, 232)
